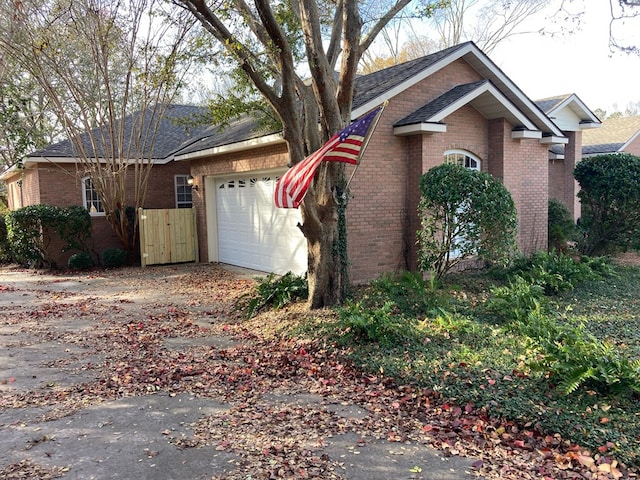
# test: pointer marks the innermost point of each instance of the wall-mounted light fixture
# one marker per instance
(191, 181)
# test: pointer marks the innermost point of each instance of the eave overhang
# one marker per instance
(253, 143)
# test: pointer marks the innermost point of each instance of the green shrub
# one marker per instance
(360, 324)
(114, 258)
(610, 196)
(80, 261)
(561, 226)
(463, 213)
(5, 249)
(275, 292)
(32, 228)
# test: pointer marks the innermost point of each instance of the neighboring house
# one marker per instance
(576, 121)
(54, 176)
(616, 135)
(455, 105)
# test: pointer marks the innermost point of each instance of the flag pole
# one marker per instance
(365, 142)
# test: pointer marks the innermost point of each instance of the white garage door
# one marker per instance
(252, 232)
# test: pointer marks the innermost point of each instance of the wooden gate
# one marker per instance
(168, 236)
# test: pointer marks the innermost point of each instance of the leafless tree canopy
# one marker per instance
(97, 62)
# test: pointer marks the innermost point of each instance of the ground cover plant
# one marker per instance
(551, 345)
(176, 330)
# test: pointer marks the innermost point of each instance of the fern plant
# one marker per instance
(382, 325)
(275, 292)
(577, 358)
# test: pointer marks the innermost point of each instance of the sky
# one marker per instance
(581, 62)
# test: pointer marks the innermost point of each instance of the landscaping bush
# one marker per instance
(464, 213)
(610, 196)
(5, 250)
(31, 229)
(275, 292)
(80, 261)
(114, 258)
(561, 227)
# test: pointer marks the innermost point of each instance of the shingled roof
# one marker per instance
(369, 87)
(614, 131)
(548, 104)
(242, 129)
(428, 111)
(176, 129)
(174, 141)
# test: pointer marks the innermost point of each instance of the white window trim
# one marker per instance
(175, 189)
(84, 198)
(456, 252)
(466, 153)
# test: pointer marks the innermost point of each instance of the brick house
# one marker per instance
(454, 105)
(53, 176)
(575, 119)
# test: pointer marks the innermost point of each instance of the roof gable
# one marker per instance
(568, 112)
(482, 95)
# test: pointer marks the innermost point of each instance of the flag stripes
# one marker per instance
(345, 146)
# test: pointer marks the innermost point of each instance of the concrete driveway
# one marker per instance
(85, 391)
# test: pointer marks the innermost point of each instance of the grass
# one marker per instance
(448, 340)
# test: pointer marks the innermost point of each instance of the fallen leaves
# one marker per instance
(27, 470)
(273, 438)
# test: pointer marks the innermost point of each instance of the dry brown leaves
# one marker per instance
(276, 439)
(29, 471)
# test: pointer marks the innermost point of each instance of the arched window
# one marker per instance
(470, 161)
(462, 157)
(90, 197)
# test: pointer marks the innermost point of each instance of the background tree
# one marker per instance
(98, 61)
(485, 22)
(464, 213)
(25, 121)
(272, 43)
(622, 32)
(610, 196)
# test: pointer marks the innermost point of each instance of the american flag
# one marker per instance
(345, 146)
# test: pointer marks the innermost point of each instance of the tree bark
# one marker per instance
(313, 115)
(324, 228)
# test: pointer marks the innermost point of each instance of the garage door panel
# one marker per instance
(252, 232)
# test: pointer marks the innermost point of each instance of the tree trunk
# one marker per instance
(324, 227)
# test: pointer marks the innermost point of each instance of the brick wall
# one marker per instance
(572, 155)
(523, 167)
(382, 217)
(60, 185)
(556, 179)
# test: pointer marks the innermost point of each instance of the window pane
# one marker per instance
(92, 199)
(184, 198)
